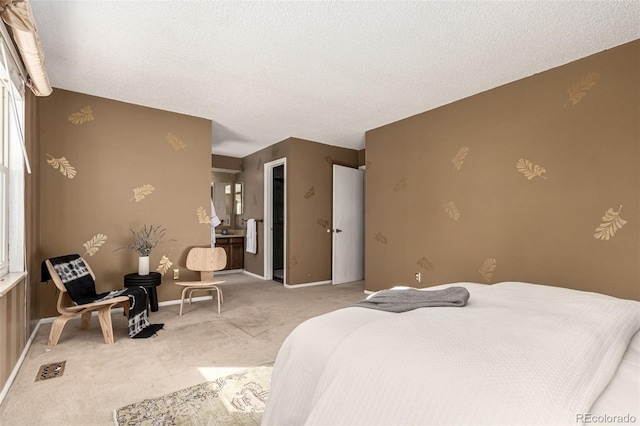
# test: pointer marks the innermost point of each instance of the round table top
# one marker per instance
(154, 278)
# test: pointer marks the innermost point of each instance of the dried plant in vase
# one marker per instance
(144, 241)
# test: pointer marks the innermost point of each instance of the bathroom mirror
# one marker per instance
(219, 197)
(228, 200)
(228, 196)
(238, 198)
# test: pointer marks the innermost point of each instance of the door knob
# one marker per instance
(338, 230)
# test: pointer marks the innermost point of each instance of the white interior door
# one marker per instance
(348, 225)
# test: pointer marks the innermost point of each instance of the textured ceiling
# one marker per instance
(321, 70)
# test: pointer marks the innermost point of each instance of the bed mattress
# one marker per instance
(330, 371)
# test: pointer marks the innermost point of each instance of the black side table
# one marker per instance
(150, 282)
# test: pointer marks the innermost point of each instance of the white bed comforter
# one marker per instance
(516, 354)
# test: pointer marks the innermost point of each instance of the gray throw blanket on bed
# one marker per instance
(407, 299)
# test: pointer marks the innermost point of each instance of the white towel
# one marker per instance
(252, 237)
(215, 221)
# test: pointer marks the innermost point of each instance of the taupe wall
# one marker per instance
(534, 181)
(13, 329)
(133, 166)
(253, 177)
(224, 162)
(309, 181)
(309, 196)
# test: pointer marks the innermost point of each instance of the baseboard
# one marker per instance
(229, 271)
(308, 284)
(177, 301)
(251, 274)
(16, 368)
(369, 292)
(200, 298)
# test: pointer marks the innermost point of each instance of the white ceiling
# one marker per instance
(321, 70)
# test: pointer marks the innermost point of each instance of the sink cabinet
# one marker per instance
(234, 247)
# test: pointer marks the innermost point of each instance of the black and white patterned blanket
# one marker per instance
(79, 283)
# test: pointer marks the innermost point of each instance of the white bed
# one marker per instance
(516, 354)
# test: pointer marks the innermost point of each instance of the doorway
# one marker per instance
(275, 220)
(278, 223)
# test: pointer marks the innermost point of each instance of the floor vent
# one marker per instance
(49, 371)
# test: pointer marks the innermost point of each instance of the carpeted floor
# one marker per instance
(196, 347)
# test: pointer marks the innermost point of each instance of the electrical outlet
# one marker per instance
(418, 277)
(176, 274)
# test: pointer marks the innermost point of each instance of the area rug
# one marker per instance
(236, 399)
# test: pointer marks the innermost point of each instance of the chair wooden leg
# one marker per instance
(56, 329)
(125, 306)
(104, 314)
(85, 319)
(182, 299)
(188, 292)
(191, 290)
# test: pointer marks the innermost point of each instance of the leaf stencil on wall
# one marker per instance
(579, 90)
(93, 245)
(458, 159)
(451, 210)
(85, 114)
(611, 223)
(259, 163)
(164, 265)
(176, 143)
(275, 152)
(310, 193)
(486, 270)
(400, 185)
(324, 223)
(141, 192)
(328, 159)
(381, 238)
(293, 262)
(63, 165)
(203, 217)
(425, 263)
(255, 200)
(530, 170)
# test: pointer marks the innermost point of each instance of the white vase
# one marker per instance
(143, 265)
